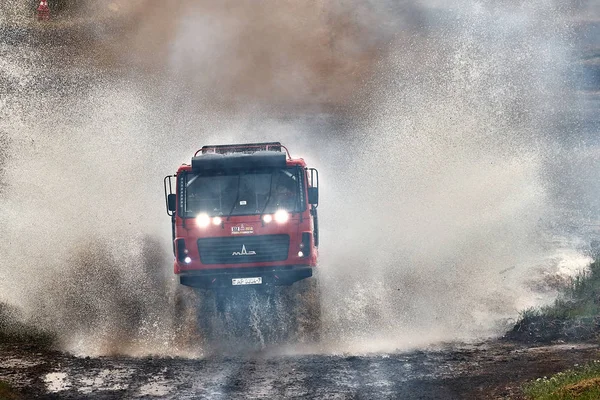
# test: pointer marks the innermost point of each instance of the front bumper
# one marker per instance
(222, 278)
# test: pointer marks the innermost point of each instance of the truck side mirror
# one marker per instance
(172, 202)
(313, 195)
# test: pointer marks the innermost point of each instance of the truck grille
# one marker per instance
(239, 250)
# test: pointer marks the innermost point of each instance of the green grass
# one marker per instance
(574, 316)
(582, 383)
(580, 299)
(7, 392)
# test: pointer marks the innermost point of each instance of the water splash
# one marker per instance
(434, 126)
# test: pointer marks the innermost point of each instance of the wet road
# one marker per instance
(492, 370)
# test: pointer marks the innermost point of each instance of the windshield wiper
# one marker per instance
(237, 197)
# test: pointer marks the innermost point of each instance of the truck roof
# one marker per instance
(242, 156)
(242, 148)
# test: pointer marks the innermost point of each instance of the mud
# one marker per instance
(489, 370)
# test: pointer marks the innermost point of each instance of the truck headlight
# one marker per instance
(203, 220)
(282, 216)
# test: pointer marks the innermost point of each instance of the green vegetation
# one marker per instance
(574, 316)
(582, 383)
(7, 392)
(581, 298)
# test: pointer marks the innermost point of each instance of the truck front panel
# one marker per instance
(233, 224)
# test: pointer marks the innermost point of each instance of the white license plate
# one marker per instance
(246, 281)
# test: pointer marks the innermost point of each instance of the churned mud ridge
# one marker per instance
(483, 371)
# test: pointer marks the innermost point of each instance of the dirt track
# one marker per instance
(492, 370)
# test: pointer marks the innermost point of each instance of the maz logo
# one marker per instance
(244, 252)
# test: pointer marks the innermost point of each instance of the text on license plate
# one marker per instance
(246, 281)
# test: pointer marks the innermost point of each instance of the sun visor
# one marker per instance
(237, 161)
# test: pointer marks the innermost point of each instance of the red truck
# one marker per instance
(243, 214)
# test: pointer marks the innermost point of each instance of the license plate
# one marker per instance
(246, 281)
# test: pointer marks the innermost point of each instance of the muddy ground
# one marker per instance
(492, 370)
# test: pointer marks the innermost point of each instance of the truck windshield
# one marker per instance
(243, 193)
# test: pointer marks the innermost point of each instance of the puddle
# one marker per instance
(19, 363)
(106, 379)
(157, 388)
(57, 382)
(566, 346)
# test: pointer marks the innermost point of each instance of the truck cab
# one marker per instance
(243, 214)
